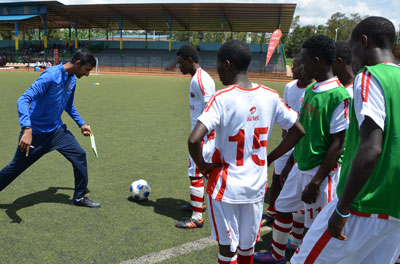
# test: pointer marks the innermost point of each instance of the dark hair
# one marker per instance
(187, 51)
(237, 52)
(343, 51)
(85, 57)
(321, 46)
(297, 59)
(378, 29)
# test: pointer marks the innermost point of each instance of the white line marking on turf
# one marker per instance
(156, 257)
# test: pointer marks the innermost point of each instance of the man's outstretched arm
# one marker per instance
(293, 135)
(363, 164)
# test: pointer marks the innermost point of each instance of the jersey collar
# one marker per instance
(326, 85)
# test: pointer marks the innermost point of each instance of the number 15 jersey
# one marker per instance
(243, 120)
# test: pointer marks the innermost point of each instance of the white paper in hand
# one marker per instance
(93, 145)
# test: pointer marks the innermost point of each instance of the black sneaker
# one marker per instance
(189, 208)
(189, 223)
(267, 220)
(86, 202)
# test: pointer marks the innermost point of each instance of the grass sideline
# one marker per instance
(141, 124)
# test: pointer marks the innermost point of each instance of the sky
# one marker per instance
(315, 12)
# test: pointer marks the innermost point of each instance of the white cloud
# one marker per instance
(317, 12)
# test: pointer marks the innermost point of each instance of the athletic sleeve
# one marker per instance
(211, 116)
(37, 89)
(209, 87)
(369, 99)
(285, 117)
(340, 118)
(285, 94)
(73, 113)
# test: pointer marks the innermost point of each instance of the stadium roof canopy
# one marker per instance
(162, 15)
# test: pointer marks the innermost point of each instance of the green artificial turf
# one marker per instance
(141, 125)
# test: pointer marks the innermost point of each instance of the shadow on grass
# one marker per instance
(170, 207)
(47, 196)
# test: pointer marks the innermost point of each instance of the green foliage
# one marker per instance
(5, 35)
(343, 24)
(337, 22)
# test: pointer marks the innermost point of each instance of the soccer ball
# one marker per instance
(140, 190)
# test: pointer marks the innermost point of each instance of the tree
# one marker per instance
(338, 26)
(342, 24)
(299, 34)
(5, 35)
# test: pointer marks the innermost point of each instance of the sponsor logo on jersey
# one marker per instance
(192, 95)
(252, 117)
(192, 107)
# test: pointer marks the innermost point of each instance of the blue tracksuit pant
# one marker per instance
(61, 140)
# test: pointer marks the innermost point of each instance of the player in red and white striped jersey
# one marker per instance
(243, 116)
(342, 66)
(202, 87)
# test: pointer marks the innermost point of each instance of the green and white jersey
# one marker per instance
(324, 112)
(376, 95)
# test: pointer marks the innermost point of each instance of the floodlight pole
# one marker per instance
(336, 34)
(16, 41)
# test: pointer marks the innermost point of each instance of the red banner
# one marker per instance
(56, 56)
(273, 42)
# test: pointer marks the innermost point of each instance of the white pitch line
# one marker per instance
(156, 257)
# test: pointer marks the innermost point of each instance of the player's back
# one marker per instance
(202, 87)
(245, 118)
(293, 95)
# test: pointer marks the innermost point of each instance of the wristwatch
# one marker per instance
(27, 128)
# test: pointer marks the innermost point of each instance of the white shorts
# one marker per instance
(235, 224)
(208, 150)
(280, 163)
(370, 240)
(289, 199)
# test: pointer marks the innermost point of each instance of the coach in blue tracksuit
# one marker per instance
(40, 109)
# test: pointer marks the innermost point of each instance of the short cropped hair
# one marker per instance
(237, 52)
(85, 57)
(378, 29)
(297, 59)
(187, 51)
(321, 46)
(343, 51)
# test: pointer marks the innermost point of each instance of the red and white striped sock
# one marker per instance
(280, 235)
(245, 256)
(197, 197)
(227, 260)
(298, 228)
(271, 211)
